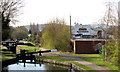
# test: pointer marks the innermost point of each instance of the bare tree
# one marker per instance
(9, 10)
(111, 20)
(0, 29)
(119, 33)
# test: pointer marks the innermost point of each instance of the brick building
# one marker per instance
(86, 45)
(86, 39)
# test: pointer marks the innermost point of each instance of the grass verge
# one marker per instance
(29, 48)
(6, 54)
(95, 59)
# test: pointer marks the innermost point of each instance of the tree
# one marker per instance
(9, 10)
(12, 29)
(56, 35)
(0, 28)
(23, 29)
(19, 33)
(35, 37)
(33, 28)
(38, 37)
(110, 51)
(119, 34)
(110, 18)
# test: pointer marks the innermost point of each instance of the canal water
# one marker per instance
(37, 66)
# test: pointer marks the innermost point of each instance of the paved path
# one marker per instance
(76, 59)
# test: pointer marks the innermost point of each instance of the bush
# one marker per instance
(112, 52)
(19, 33)
(56, 35)
(35, 37)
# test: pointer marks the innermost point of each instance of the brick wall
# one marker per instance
(86, 46)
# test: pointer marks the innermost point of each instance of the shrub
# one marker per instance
(56, 35)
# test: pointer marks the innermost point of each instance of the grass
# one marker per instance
(30, 48)
(95, 59)
(99, 61)
(47, 48)
(22, 41)
(61, 59)
(3, 48)
(6, 54)
(31, 43)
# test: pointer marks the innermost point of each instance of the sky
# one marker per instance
(43, 11)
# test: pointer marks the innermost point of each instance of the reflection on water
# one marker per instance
(28, 66)
(38, 66)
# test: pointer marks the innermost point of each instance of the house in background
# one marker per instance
(87, 32)
(86, 39)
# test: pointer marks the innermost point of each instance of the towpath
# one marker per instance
(76, 59)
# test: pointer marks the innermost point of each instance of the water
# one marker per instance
(36, 66)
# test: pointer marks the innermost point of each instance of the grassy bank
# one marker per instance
(58, 58)
(95, 59)
(29, 48)
(6, 54)
(22, 41)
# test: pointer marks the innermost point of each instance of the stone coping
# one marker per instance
(72, 65)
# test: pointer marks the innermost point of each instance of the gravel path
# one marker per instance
(76, 59)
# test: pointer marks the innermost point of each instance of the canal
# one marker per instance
(36, 67)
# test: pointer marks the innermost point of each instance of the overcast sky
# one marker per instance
(81, 11)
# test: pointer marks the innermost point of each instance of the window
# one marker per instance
(86, 36)
(82, 29)
(78, 34)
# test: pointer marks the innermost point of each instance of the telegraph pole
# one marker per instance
(0, 28)
(119, 35)
(70, 26)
